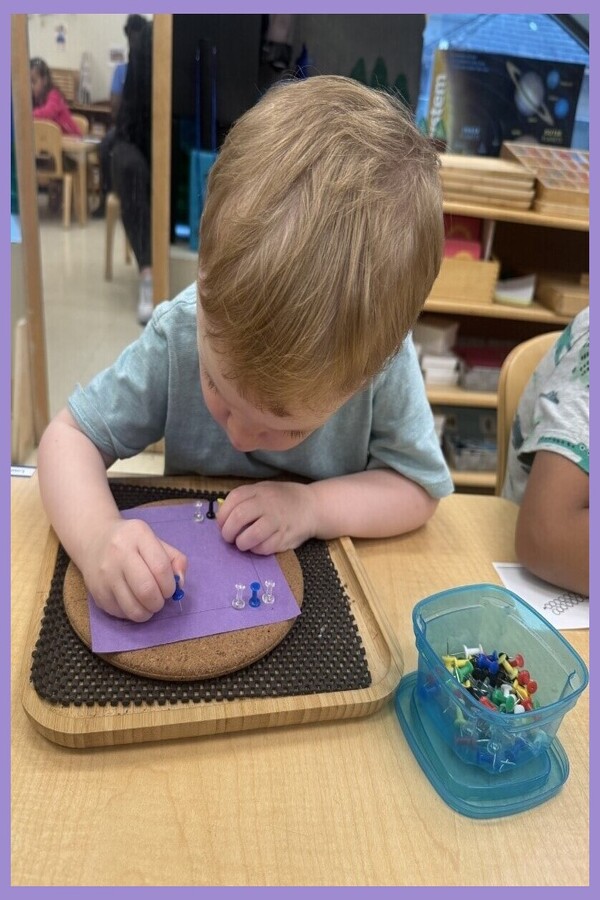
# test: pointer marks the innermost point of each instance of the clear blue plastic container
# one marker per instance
(496, 619)
(485, 762)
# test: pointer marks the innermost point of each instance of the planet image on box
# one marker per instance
(529, 93)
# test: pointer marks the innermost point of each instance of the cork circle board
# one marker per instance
(188, 660)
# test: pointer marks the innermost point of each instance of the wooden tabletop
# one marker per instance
(332, 803)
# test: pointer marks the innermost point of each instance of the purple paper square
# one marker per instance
(214, 568)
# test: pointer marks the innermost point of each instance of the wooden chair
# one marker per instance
(113, 214)
(47, 138)
(83, 122)
(517, 369)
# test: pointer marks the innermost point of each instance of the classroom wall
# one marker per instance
(336, 42)
(94, 33)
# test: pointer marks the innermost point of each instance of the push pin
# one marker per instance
(267, 596)
(254, 599)
(211, 510)
(238, 601)
(198, 514)
(179, 593)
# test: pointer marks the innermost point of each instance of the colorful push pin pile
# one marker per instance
(496, 680)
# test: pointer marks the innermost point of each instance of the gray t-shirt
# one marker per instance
(554, 409)
(153, 391)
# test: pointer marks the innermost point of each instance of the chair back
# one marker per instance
(83, 122)
(47, 138)
(517, 369)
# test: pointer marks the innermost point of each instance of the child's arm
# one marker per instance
(51, 109)
(552, 537)
(272, 516)
(126, 568)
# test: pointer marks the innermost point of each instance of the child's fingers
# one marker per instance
(255, 534)
(233, 500)
(123, 604)
(178, 563)
(239, 518)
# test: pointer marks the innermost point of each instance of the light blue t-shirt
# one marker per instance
(153, 391)
(118, 79)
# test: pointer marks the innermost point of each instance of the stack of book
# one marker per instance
(487, 181)
(562, 186)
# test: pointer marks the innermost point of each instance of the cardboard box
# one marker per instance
(466, 281)
(479, 100)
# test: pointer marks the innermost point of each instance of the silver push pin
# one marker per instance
(238, 601)
(267, 596)
(198, 514)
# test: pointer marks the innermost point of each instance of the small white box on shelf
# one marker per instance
(435, 334)
(440, 368)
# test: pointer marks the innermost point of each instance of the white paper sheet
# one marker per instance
(563, 609)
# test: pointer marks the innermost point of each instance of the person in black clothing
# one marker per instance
(133, 27)
(131, 162)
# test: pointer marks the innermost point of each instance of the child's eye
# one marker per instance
(297, 435)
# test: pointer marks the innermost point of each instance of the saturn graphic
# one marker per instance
(529, 93)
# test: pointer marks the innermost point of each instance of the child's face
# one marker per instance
(247, 427)
(38, 84)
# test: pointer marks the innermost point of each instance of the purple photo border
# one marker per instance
(309, 6)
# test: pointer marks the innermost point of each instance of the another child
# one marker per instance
(48, 102)
(321, 237)
(549, 463)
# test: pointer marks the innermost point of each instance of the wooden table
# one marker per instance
(78, 149)
(99, 112)
(334, 803)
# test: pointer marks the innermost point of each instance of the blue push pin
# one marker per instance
(254, 599)
(179, 593)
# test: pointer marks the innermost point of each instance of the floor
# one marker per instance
(89, 321)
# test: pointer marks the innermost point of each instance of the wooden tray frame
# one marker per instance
(102, 726)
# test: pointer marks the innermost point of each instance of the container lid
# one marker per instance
(468, 789)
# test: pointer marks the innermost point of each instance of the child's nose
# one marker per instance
(243, 438)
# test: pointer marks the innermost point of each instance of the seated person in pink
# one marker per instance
(48, 102)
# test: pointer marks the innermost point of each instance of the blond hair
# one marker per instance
(320, 239)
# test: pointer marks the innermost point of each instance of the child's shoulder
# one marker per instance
(179, 311)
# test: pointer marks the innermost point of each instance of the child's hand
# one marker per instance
(268, 517)
(130, 572)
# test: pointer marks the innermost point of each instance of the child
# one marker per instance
(549, 464)
(48, 102)
(320, 239)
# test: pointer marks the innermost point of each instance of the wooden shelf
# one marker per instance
(533, 313)
(473, 479)
(521, 216)
(457, 396)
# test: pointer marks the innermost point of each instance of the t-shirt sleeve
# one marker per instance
(561, 409)
(403, 434)
(124, 408)
(118, 79)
